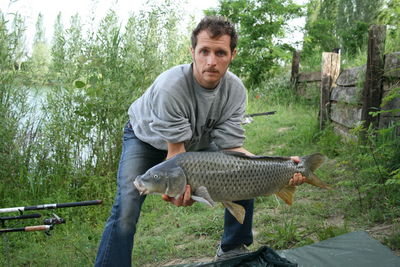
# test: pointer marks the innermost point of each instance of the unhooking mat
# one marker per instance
(356, 249)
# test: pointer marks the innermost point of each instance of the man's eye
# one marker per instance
(204, 52)
(221, 53)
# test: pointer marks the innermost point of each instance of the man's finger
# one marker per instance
(183, 200)
(296, 159)
(297, 179)
(187, 197)
(166, 198)
(174, 201)
(179, 202)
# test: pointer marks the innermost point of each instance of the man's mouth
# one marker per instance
(212, 72)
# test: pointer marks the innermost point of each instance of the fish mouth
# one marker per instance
(139, 186)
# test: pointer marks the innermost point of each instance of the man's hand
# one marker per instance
(298, 178)
(183, 201)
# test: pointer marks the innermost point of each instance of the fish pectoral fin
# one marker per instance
(236, 210)
(287, 193)
(201, 195)
(203, 200)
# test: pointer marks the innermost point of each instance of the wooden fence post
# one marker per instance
(372, 91)
(295, 67)
(329, 73)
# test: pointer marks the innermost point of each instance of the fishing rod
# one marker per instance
(260, 114)
(45, 228)
(52, 206)
(48, 224)
(248, 118)
(24, 216)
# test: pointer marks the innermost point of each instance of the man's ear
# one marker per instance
(234, 53)
(192, 52)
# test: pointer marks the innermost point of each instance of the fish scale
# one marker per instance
(228, 176)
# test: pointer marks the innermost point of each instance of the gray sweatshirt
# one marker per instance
(175, 108)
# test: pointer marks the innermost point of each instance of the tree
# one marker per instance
(390, 16)
(12, 42)
(260, 25)
(320, 29)
(74, 49)
(40, 31)
(339, 23)
(5, 54)
(58, 56)
(40, 59)
(153, 43)
(17, 40)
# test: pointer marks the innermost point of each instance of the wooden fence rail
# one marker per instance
(347, 97)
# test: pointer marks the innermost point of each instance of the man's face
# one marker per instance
(211, 59)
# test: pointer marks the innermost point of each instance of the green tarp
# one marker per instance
(356, 249)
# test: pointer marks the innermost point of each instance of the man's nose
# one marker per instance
(211, 59)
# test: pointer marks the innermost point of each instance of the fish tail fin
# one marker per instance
(315, 181)
(311, 163)
(286, 194)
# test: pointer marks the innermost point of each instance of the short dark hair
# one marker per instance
(216, 26)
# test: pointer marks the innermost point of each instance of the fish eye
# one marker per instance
(155, 176)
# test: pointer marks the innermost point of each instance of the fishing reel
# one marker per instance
(55, 219)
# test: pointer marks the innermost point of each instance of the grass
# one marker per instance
(170, 235)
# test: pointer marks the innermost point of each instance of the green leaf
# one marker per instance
(79, 84)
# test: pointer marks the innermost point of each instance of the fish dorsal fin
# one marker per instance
(236, 210)
(243, 155)
(201, 195)
(287, 193)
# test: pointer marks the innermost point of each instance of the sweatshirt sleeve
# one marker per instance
(169, 117)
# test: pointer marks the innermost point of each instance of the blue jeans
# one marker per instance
(116, 245)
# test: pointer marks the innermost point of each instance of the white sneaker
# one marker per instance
(223, 255)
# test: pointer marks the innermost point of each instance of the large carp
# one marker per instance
(228, 176)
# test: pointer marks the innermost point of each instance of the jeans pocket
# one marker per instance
(128, 132)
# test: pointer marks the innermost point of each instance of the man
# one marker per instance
(190, 107)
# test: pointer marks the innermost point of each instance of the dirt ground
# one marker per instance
(382, 231)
